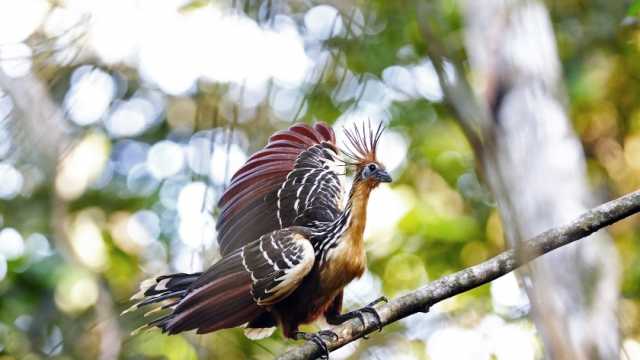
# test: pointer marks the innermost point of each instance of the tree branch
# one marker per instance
(450, 285)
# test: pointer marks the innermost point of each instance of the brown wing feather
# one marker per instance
(268, 156)
(248, 207)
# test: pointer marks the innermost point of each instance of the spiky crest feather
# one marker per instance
(362, 144)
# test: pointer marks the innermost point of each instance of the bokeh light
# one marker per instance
(197, 227)
(20, 19)
(130, 117)
(12, 181)
(143, 227)
(508, 297)
(82, 165)
(15, 59)
(76, 292)
(11, 243)
(445, 344)
(165, 159)
(427, 83)
(90, 95)
(225, 163)
(38, 247)
(87, 241)
(141, 181)
(323, 22)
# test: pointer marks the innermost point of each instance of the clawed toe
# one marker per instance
(375, 314)
(317, 339)
(371, 310)
(378, 301)
(329, 333)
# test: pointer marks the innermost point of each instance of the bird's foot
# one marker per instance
(317, 339)
(369, 308)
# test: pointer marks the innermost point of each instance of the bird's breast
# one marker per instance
(344, 263)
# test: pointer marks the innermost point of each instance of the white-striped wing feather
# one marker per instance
(312, 190)
(277, 262)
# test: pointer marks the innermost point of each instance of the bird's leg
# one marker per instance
(317, 339)
(336, 319)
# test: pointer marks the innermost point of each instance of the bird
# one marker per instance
(288, 242)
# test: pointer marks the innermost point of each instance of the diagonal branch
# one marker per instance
(421, 299)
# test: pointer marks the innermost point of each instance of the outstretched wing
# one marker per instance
(293, 181)
(235, 290)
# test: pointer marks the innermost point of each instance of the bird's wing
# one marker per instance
(235, 290)
(292, 181)
(277, 264)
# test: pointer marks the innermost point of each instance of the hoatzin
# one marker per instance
(289, 245)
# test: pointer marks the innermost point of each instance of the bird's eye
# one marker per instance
(369, 170)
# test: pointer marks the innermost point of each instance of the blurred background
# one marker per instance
(122, 121)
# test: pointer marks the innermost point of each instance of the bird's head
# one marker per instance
(361, 151)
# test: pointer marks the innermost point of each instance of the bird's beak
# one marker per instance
(383, 176)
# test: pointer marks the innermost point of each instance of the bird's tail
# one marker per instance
(164, 291)
(217, 299)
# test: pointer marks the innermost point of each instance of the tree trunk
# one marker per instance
(535, 166)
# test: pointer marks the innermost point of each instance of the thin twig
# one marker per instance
(422, 299)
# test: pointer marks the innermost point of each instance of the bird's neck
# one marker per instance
(349, 226)
(357, 207)
(341, 249)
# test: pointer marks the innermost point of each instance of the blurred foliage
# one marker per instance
(83, 253)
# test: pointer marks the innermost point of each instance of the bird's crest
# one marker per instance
(362, 143)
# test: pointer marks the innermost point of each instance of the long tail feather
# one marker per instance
(158, 290)
(220, 298)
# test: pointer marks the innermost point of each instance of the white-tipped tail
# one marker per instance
(144, 286)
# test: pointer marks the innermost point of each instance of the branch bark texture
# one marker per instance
(448, 286)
